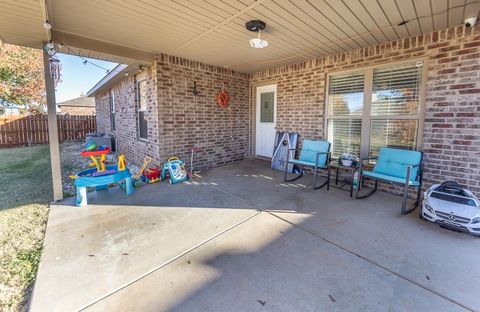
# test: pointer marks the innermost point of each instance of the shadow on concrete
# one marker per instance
(239, 185)
(260, 245)
(267, 264)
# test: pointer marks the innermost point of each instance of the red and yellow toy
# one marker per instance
(100, 162)
(152, 175)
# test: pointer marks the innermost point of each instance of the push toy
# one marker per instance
(146, 161)
(152, 175)
(176, 170)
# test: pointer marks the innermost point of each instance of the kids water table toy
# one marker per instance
(92, 178)
(101, 175)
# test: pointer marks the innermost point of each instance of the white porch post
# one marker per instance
(52, 130)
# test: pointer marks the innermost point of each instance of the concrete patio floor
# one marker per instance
(239, 239)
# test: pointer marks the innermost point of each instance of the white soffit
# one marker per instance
(213, 31)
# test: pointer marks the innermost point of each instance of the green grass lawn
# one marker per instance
(25, 192)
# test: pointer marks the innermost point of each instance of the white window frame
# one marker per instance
(144, 110)
(366, 116)
(112, 109)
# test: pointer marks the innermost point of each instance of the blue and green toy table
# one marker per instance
(87, 178)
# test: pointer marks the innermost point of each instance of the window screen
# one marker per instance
(394, 109)
(344, 111)
(111, 99)
(396, 90)
(345, 95)
(344, 134)
(142, 109)
(392, 133)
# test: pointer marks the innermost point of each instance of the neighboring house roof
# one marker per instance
(83, 101)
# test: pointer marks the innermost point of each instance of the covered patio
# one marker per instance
(239, 237)
(360, 74)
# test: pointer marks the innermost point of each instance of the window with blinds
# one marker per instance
(388, 116)
(395, 106)
(396, 90)
(142, 109)
(344, 135)
(346, 95)
(111, 100)
(344, 113)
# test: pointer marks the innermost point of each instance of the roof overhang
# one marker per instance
(213, 31)
(114, 76)
(87, 47)
(117, 74)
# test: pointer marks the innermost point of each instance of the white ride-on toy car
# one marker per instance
(452, 207)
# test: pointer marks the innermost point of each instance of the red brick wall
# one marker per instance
(102, 112)
(125, 132)
(451, 134)
(179, 121)
(186, 121)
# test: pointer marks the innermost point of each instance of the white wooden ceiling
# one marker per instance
(213, 31)
(21, 22)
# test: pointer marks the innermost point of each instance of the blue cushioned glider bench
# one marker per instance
(396, 166)
(314, 154)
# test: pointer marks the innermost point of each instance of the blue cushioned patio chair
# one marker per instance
(396, 166)
(314, 154)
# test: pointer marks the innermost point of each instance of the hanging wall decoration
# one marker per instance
(222, 97)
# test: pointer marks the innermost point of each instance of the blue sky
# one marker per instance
(77, 77)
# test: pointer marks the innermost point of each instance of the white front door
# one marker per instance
(266, 118)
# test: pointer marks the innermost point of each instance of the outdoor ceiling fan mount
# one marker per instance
(255, 25)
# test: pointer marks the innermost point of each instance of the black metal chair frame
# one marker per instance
(315, 168)
(406, 186)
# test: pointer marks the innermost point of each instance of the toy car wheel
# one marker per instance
(420, 214)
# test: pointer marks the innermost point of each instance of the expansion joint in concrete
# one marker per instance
(110, 293)
(375, 263)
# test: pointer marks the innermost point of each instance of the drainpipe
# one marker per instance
(52, 129)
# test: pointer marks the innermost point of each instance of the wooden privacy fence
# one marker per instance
(30, 130)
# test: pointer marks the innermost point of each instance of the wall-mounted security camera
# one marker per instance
(469, 22)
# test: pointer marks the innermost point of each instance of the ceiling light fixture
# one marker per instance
(257, 26)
